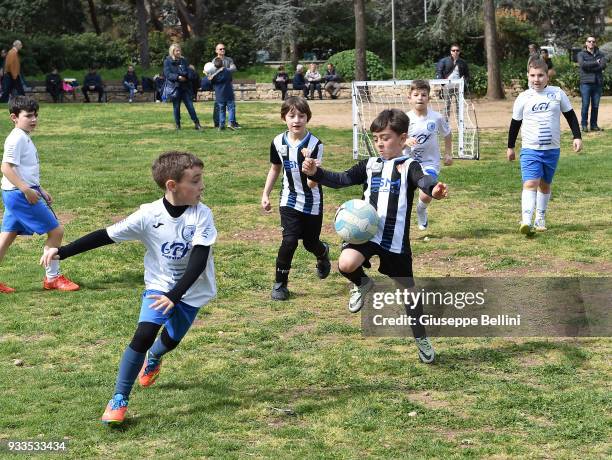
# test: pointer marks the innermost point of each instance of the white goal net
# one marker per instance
(446, 97)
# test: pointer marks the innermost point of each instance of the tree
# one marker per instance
(280, 22)
(143, 33)
(192, 15)
(494, 84)
(94, 16)
(360, 40)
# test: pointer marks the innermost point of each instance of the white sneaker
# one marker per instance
(426, 350)
(421, 218)
(540, 224)
(358, 294)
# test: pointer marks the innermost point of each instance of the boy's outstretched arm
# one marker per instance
(353, 176)
(572, 121)
(195, 267)
(427, 183)
(85, 243)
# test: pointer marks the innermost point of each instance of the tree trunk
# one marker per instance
(294, 52)
(360, 41)
(143, 33)
(495, 89)
(154, 18)
(199, 23)
(94, 17)
(185, 28)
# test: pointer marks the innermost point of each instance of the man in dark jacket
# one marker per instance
(452, 68)
(93, 82)
(592, 63)
(54, 85)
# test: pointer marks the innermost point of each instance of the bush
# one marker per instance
(158, 48)
(344, 62)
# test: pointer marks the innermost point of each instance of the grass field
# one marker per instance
(258, 379)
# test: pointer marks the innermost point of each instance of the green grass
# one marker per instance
(254, 378)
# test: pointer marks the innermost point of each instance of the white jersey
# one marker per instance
(169, 242)
(20, 151)
(540, 112)
(295, 193)
(425, 130)
(388, 191)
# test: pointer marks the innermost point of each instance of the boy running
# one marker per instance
(540, 108)
(425, 125)
(301, 200)
(27, 206)
(390, 182)
(178, 232)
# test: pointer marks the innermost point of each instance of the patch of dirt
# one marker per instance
(429, 399)
(490, 114)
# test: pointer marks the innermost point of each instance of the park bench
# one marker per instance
(244, 85)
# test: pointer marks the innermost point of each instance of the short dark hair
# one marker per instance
(172, 165)
(295, 103)
(420, 84)
(395, 119)
(281, 67)
(23, 104)
(537, 63)
(218, 62)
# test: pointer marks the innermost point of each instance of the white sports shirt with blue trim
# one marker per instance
(19, 150)
(425, 130)
(540, 112)
(295, 192)
(169, 241)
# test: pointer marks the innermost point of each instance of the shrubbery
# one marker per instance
(344, 62)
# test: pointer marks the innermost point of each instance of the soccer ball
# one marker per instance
(209, 68)
(356, 221)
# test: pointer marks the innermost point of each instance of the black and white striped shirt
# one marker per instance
(295, 192)
(389, 186)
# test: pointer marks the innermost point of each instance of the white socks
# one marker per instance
(542, 203)
(528, 204)
(421, 210)
(52, 271)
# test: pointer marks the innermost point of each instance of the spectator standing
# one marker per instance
(299, 82)
(313, 77)
(546, 58)
(452, 67)
(11, 81)
(93, 82)
(228, 63)
(130, 82)
(221, 81)
(55, 85)
(534, 52)
(281, 80)
(176, 71)
(332, 81)
(159, 86)
(592, 63)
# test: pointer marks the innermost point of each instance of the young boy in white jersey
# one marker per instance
(27, 206)
(539, 110)
(390, 182)
(425, 126)
(178, 232)
(301, 200)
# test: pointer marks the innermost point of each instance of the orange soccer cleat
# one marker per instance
(149, 373)
(115, 410)
(6, 289)
(61, 283)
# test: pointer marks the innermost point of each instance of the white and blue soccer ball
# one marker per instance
(356, 221)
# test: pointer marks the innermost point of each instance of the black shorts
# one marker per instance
(296, 224)
(391, 264)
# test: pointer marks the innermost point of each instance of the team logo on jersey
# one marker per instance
(376, 167)
(290, 165)
(175, 250)
(157, 225)
(188, 232)
(540, 107)
(283, 151)
(384, 185)
(431, 126)
(422, 138)
(552, 96)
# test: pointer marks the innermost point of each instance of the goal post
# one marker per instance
(446, 97)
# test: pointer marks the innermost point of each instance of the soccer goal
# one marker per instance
(446, 97)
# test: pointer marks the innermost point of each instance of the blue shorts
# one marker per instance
(539, 164)
(177, 321)
(24, 218)
(430, 171)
